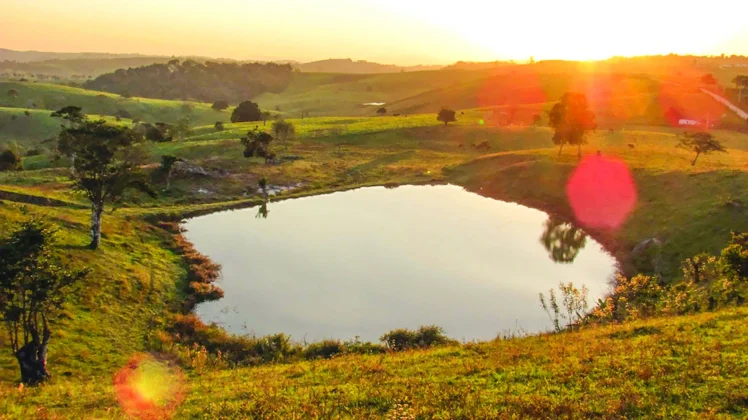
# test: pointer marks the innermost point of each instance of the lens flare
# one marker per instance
(601, 192)
(149, 387)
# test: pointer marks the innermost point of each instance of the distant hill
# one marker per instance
(346, 65)
(29, 56)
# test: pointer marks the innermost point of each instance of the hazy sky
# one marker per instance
(393, 31)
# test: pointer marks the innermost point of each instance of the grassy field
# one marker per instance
(675, 367)
(54, 97)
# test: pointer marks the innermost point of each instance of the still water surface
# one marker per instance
(364, 262)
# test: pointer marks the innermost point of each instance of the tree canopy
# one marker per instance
(571, 118)
(446, 116)
(246, 111)
(192, 80)
(257, 143)
(220, 105)
(10, 160)
(33, 288)
(700, 143)
(105, 163)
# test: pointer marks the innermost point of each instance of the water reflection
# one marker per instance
(364, 262)
(563, 240)
(262, 211)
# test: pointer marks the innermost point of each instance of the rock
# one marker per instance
(186, 168)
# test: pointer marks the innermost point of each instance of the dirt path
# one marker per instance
(742, 114)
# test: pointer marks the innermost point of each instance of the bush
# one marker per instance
(326, 349)
(424, 337)
(10, 161)
(220, 105)
(734, 257)
(219, 126)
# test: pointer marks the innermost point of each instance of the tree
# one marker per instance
(571, 119)
(10, 160)
(246, 111)
(701, 142)
(562, 240)
(220, 105)
(33, 289)
(741, 82)
(382, 111)
(72, 114)
(181, 129)
(167, 165)
(536, 119)
(106, 165)
(283, 130)
(13, 93)
(218, 126)
(257, 143)
(265, 116)
(446, 116)
(159, 132)
(708, 79)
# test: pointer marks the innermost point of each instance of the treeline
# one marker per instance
(190, 80)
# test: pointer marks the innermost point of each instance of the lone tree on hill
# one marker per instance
(283, 130)
(446, 116)
(266, 115)
(246, 111)
(220, 105)
(382, 111)
(33, 289)
(701, 142)
(106, 165)
(571, 119)
(9, 161)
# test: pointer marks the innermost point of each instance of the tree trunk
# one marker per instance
(32, 358)
(560, 149)
(694, 159)
(96, 210)
(579, 151)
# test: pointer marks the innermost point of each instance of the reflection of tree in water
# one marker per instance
(562, 240)
(262, 211)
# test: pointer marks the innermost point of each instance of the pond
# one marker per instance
(364, 262)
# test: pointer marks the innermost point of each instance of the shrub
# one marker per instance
(220, 105)
(424, 337)
(219, 126)
(204, 292)
(734, 257)
(326, 349)
(10, 161)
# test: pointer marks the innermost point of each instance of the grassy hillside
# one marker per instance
(676, 367)
(53, 97)
(33, 128)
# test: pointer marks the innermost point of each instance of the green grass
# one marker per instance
(676, 367)
(54, 97)
(682, 367)
(35, 129)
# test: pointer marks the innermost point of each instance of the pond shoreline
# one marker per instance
(433, 198)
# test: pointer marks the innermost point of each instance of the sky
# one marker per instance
(405, 32)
